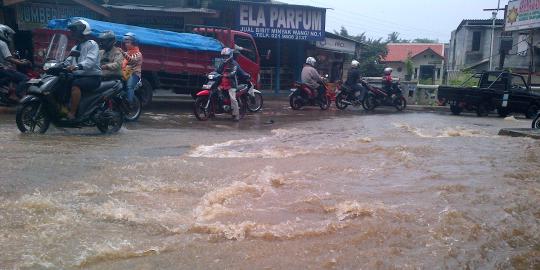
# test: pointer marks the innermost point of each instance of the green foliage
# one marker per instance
(409, 66)
(464, 79)
(425, 40)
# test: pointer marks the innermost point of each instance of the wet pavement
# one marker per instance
(279, 190)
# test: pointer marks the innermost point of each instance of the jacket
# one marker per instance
(353, 77)
(112, 59)
(88, 61)
(132, 64)
(311, 77)
(232, 72)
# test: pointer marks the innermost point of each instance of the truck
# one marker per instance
(503, 91)
(180, 70)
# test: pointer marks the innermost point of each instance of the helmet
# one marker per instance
(6, 33)
(355, 64)
(311, 61)
(130, 36)
(80, 27)
(227, 53)
(388, 71)
(107, 39)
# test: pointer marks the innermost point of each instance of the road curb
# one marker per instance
(520, 132)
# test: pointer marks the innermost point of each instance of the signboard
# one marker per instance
(32, 15)
(338, 45)
(522, 15)
(282, 21)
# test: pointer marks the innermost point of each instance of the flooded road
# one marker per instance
(348, 191)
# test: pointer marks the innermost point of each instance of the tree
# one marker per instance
(393, 37)
(425, 40)
(409, 66)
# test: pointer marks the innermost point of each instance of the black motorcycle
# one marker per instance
(346, 96)
(536, 122)
(384, 97)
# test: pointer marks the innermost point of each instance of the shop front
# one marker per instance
(334, 55)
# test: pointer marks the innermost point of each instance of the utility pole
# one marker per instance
(494, 19)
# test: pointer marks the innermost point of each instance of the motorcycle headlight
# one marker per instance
(49, 65)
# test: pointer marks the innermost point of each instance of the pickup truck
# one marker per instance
(496, 90)
(183, 71)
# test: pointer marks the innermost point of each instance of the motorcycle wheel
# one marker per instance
(114, 122)
(135, 109)
(340, 102)
(31, 115)
(295, 101)
(255, 103)
(324, 102)
(146, 93)
(536, 122)
(400, 104)
(369, 103)
(199, 109)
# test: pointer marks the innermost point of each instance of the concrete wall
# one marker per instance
(461, 55)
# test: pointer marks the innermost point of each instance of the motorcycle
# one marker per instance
(346, 96)
(213, 99)
(7, 88)
(302, 95)
(536, 122)
(134, 108)
(376, 97)
(103, 107)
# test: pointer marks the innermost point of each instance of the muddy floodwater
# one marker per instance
(384, 191)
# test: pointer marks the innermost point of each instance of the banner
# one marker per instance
(282, 21)
(522, 15)
(36, 15)
(337, 45)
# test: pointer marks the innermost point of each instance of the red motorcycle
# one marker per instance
(7, 87)
(383, 97)
(303, 95)
(213, 99)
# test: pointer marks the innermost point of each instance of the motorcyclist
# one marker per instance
(387, 79)
(231, 71)
(132, 64)
(110, 56)
(311, 77)
(353, 79)
(83, 62)
(7, 62)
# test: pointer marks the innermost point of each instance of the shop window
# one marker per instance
(248, 48)
(476, 41)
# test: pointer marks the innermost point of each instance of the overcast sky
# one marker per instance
(433, 19)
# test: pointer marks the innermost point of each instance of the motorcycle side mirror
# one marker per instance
(75, 53)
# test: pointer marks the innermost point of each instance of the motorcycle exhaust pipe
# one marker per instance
(347, 102)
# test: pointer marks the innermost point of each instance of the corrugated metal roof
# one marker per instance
(163, 9)
(480, 22)
(272, 3)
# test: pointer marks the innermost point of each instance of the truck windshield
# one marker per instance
(57, 48)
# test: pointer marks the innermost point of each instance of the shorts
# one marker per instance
(87, 83)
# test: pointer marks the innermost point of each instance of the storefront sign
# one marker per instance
(338, 45)
(522, 14)
(31, 15)
(282, 21)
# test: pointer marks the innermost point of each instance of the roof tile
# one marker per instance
(398, 52)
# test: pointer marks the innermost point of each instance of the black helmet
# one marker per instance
(80, 27)
(107, 40)
(6, 33)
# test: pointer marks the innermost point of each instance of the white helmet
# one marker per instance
(355, 64)
(227, 53)
(311, 61)
(6, 33)
(388, 71)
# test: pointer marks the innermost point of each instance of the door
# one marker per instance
(249, 55)
(519, 95)
(427, 74)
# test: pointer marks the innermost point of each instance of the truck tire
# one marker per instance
(455, 109)
(481, 110)
(532, 111)
(146, 93)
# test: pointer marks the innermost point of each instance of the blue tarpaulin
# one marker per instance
(146, 36)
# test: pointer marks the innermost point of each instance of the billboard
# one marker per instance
(522, 15)
(282, 21)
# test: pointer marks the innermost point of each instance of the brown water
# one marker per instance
(404, 191)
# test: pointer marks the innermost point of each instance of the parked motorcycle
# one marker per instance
(7, 88)
(213, 99)
(103, 107)
(378, 97)
(346, 96)
(302, 95)
(536, 122)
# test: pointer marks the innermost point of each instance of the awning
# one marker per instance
(337, 43)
